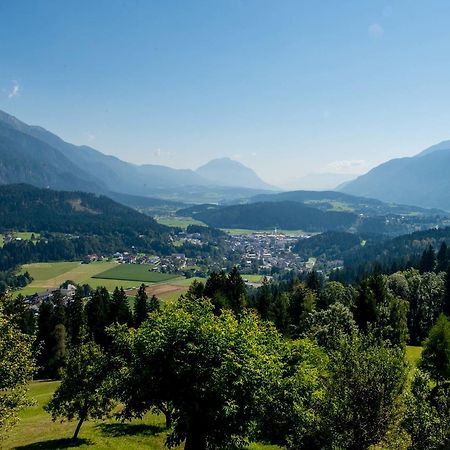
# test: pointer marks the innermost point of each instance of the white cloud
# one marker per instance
(347, 166)
(15, 90)
(375, 31)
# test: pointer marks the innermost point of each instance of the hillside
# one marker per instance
(72, 225)
(227, 172)
(34, 155)
(420, 180)
(24, 158)
(269, 215)
(339, 201)
(27, 208)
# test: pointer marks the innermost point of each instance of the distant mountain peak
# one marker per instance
(444, 145)
(228, 172)
(421, 180)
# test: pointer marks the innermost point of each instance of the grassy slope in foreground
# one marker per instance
(36, 431)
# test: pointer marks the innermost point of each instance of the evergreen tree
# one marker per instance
(154, 304)
(428, 260)
(442, 258)
(313, 281)
(264, 299)
(76, 318)
(236, 291)
(45, 339)
(58, 356)
(120, 308)
(279, 312)
(19, 312)
(141, 306)
(365, 310)
(302, 302)
(98, 314)
(446, 300)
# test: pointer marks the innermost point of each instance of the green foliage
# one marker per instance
(120, 308)
(269, 215)
(133, 272)
(226, 291)
(98, 313)
(292, 416)
(215, 370)
(141, 308)
(328, 327)
(16, 369)
(427, 417)
(82, 392)
(364, 394)
(436, 353)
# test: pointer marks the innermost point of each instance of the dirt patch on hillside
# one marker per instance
(158, 290)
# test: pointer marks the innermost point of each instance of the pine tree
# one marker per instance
(154, 304)
(120, 308)
(446, 300)
(141, 309)
(75, 318)
(442, 258)
(428, 260)
(236, 292)
(98, 313)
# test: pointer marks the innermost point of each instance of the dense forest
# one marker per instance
(72, 225)
(269, 215)
(300, 363)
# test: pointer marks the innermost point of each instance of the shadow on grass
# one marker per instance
(56, 444)
(129, 429)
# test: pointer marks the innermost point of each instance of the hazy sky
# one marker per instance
(287, 87)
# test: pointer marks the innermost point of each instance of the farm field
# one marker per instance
(36, 431)
(180, 222)
(244, 231)
(168, 291)
(52, 275)
(132, 272)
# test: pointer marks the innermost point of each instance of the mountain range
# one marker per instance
(421, 180)
(31, 154)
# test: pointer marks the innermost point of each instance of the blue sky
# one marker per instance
(287, 87)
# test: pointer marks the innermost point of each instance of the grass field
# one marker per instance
(24, 235)
(244, 231)
(252, 278)
(133, 272)
(52, 275)
(180, 222)
(36, 431)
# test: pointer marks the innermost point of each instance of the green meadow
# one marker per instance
(36, 431)
(132, 272)
(179, 222)
(52, 275)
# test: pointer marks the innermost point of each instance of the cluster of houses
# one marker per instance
(67, 294)
(262, 252)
